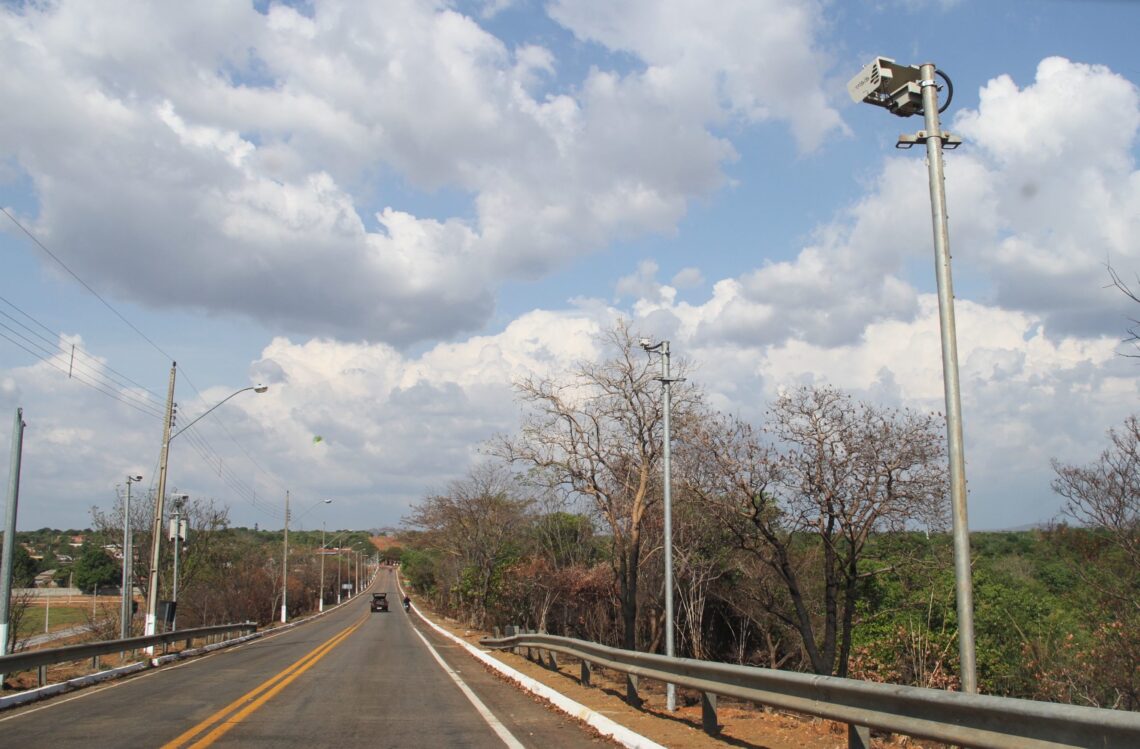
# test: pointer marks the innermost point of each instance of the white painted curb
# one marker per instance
(50, 690)
(596, 720)
(31, 695)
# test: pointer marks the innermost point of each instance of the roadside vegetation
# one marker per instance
(816, 540)
(225, 574)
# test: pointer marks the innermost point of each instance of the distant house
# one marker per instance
(76, 541)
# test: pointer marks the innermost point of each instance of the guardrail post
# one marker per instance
(708, 714)
(631, 695)
(553, 665)
(41, 675)
(858, 737)
(585, 674)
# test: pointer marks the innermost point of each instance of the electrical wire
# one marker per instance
(949, 90)
(83, 283)
(92, 375)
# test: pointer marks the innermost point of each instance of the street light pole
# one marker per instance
(128, 585)
(160, 497)
(321, 602)
(906, 90)
(285, 563)
(285, 559)
(666, 382)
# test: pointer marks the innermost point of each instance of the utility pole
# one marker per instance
(667, 381)
(285, 563)
(159, 508)
(10, 529)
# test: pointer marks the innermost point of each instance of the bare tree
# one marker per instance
(806, 505)
(478, 522)
(597, 434)
(1105, 494)
(1134, 324)
(199, 553)
(702, 556)
(18, 605)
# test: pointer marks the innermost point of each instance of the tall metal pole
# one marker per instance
(128, 584)
(338, 565)
(962, 574)
(10, 529)
(285, 564)
(176, 539)
(666, 381)
(156, 524)
(125, 591)
(321, 603)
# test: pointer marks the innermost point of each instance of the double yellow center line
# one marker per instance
(218, 724)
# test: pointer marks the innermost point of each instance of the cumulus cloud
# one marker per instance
(274, 165)
(1031, 228)
(1061, 193)
(743, 42)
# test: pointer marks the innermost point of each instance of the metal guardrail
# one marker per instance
(28, 659)
(953, 717)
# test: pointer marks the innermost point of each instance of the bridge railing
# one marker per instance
(953, 717)
(27, 660)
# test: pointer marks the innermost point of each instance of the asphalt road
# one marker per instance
(349, 678)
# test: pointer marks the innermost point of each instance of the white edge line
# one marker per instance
(599, 722)
(482, 709)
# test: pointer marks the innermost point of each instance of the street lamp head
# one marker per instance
(328, 501)
(133, 478)
(260, 388)
(645, 343)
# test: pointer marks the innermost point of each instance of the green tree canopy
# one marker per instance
(24, 568)
(95, 568)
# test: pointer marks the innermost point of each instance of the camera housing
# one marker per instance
(885, 83)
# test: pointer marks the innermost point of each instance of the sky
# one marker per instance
(389, 211)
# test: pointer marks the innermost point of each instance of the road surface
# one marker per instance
(349, 678)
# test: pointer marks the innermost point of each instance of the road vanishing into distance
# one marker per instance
(350, 678)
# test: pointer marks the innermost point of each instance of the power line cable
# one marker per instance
(56, 336)
(239, 486)
(85, 285)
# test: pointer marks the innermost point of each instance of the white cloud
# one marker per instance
(738, 49)
(1061, 191)
(233, 161)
